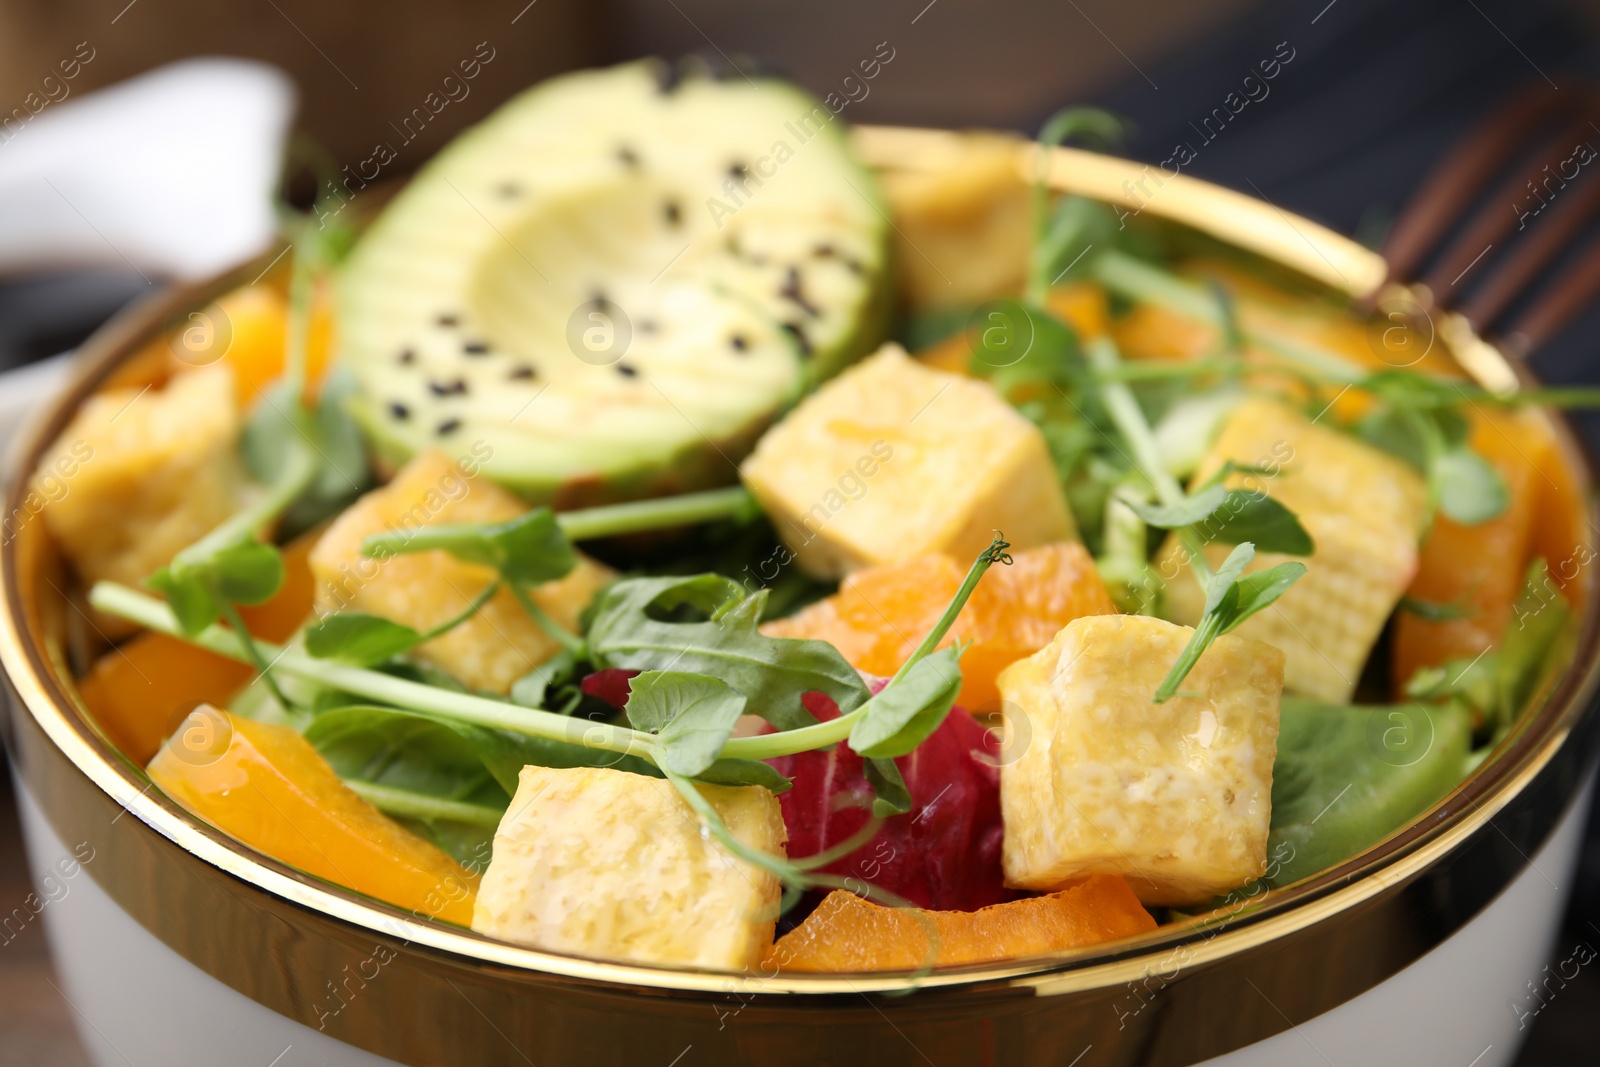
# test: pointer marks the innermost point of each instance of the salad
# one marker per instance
(630, 543)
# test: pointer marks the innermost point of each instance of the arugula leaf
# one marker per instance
(691, 716)
(1231, 597)
(902, 716)
(692, 624)
(358, 638)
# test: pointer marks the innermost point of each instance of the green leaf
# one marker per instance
(1397, 432)
(1194, 509)
(186, 593)
(744, 772)
(1433, 611)
(358, 638)
(1015, 345)
(532, 689)
(1536, 639)
(1339, 785)
(665, 624)
(1248, 515)
(527, 550)
(1256, 591)
(248, 573)
(890, 795)
(690, 714)
(345, 470)
(1221, 584)
(903, 714)
(1471, 491)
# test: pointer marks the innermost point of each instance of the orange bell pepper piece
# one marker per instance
(139, 691)
(267, 786)
(847, 933)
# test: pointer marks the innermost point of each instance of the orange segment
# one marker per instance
(137, 691)
(847, 933)
(267, 786)
(880, 614)
(1480, 567)
(1562, 534)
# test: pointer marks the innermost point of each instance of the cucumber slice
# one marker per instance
(610, 287)
(1347, 777)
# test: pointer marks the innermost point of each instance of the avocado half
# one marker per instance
(612, 285)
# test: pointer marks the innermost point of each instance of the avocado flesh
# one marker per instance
(575, 288)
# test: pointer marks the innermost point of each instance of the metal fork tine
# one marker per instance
(1450, 189)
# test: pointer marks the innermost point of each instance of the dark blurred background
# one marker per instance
(1376, 92)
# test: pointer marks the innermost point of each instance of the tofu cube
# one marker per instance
(893, 460)
(499, 644)
(1365, 511)
(1176, 796)
(141, 473)
(601, 862)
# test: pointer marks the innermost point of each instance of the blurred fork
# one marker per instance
(1478, 239)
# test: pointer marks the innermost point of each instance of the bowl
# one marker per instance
(180, 945)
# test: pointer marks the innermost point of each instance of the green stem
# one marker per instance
(610, 520)
(252, 652)
(295, 477)
(1135, 428)
(1209, 629)
(779, 868)
(154, 614)
(1140, 280)
(471, 609)
(822, 734)
(409, 805)
(560, 634)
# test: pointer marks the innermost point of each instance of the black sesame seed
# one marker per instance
(739, 343)
(628, 157)
(454, 388)
(597, 297)
(738, 171)
(823, 251)
(448, 427)
(447, 320)
(627, 370)
(672, 213)
(853, 266)
(400, 412)
(798, 332)
(406, 357)
(790, 290)
(510, 190)
(475, 348)
(522, 373)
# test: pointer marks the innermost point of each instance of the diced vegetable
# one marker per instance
(247, 330)
(266, 786)
(137, 691)
(154, 471)
(501, 642)
(1364, 510)
(892, 459)
(1469, 575)
(1347, 777)
(944, 852)
(611, 864)
(880, 613)
(1174, 796)
(847, 934)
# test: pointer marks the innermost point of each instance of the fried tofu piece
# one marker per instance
(141, 473)
(1365, 511)
(893, 460)
(500, 643)
(602, 862)
(1176, 796)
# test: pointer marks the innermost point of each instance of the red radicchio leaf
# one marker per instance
(610, 685)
